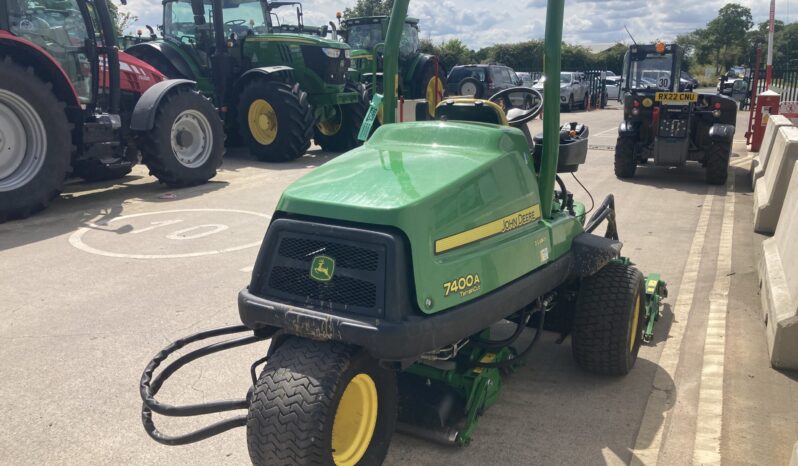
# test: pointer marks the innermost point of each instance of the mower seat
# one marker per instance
(465, 109)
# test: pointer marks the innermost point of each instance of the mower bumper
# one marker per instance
(407, 339)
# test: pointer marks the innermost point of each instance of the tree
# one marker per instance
(369, 8)
(725, 36)
(122, 20)
(454, 52)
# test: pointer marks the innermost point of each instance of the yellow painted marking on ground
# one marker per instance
(660, 401)
(709, 417)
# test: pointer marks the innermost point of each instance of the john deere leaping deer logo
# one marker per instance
(322, 268)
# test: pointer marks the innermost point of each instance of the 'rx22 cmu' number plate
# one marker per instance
(676, 97)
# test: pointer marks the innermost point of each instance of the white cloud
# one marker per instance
(480, 23)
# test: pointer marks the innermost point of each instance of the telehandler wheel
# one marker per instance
(717, 168)
(339, 134)
(275, 120)
(625, 158)
(321, 403)
(609, 320)
(35, 142)
(186, 144)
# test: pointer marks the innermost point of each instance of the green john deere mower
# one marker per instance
(384, 272)
(276, 90)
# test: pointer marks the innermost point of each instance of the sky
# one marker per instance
(480, 23)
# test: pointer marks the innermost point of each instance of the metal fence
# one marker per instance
(784, 81)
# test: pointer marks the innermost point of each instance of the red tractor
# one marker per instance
(71, 103)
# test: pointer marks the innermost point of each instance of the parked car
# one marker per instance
(688, 79)
(526, 79)
(480, 81)
(573, 90)
(613, 86)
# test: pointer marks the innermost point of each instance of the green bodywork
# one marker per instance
(365, 65)
(433, 180)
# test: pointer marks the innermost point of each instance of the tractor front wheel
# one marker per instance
(186, 144)
(625, 158)
(609, 320)
(339, 133)
(321, 403)
(275, 120)
(717, 165)
(35, 142)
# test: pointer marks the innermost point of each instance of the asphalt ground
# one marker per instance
(112, 272)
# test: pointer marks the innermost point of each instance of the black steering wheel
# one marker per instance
(520, 104)
(235, 22)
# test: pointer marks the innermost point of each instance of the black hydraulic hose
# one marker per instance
(522, 354)
(149, 387)
(497, 344)
(564, 192)
(605, 211)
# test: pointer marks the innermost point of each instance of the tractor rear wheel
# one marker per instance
(430, 87)
(35, 142)
(625, 158)
(339, 134)
(321, 403)
(275, 120)
(186, 144)
(609, 320)
(717, 163)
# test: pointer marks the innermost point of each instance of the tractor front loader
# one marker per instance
(384, 272)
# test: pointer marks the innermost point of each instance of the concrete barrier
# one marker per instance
(770, 190)
(760, 161)
(794, 457)
(778, 278)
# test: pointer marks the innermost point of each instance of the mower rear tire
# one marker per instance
(35, 142)
(609, 320)
(340, 133)
(321, 403)
(717, 167)
(275, 120)
(186, 144)
(625, 158)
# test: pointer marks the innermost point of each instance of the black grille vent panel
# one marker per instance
(348, 257)
(340, 290)
(358, 279)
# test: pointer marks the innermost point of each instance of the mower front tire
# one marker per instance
(321, 403)
(625, 158)
(717, 166)
(609, 320)
(186, 144)
(275, 120)
(339, 134)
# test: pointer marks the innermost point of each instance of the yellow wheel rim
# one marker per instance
(331, 127)
(434, 94)
(354, 421)
(633, 332)
(262, 122)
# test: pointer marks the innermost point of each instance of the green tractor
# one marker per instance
(421, 75)
(277, 91)
(384, 272)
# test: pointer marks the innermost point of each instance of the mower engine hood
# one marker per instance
(458, 192)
